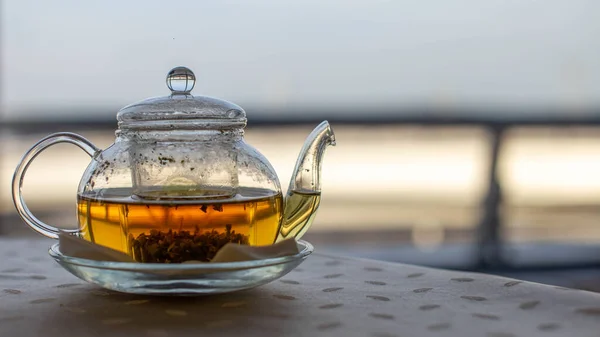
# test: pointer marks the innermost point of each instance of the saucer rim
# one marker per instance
(54, 251)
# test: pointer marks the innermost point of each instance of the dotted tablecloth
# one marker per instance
(325, 296)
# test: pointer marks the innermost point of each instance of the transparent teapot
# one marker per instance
(180, 173)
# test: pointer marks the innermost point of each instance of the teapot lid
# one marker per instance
(181, 110)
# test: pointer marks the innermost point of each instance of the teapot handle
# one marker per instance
(17, 181)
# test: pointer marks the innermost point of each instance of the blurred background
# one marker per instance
(468, 132)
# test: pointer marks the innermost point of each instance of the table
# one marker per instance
(325, 296)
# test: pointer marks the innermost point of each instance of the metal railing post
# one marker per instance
(489, 229)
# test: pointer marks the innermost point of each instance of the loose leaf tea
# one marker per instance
(181, 246)
(109, 218)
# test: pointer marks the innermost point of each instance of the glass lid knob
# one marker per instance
(181, 80)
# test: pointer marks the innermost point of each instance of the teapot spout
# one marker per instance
(304, 192)
(307, 173)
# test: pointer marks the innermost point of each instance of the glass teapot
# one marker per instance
(180, 171)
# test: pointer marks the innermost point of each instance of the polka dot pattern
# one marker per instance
(284, 297)
(330, 276)
(512, 283)
(68, 285)
(381, 315)
(474, 298)
(289, 282)
(529, 305)
(589, 311)
(43, 300)
(327, 296)
(427, 307)
(378, 298)
(486, 316)
(549, 326)
(373, 269)
(330, 290)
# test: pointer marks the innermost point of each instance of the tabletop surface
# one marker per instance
(324, 296)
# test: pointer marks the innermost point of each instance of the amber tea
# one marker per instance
(300, 210)
(145, 229)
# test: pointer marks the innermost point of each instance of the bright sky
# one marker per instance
(76, 55)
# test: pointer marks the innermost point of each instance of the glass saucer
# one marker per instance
(181, 279)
